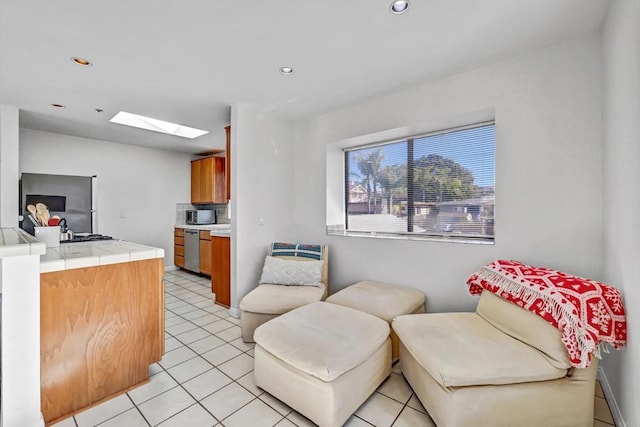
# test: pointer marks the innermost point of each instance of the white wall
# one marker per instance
(262, 188)
(141, 184)
(20, 284)
(9, 166)
(548, 173)
(621, 196)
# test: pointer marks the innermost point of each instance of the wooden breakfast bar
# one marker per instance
(101, 322)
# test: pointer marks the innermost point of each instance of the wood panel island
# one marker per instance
(101, 322)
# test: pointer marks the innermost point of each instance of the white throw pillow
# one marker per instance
(289, 272)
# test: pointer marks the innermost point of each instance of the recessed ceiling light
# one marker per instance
(286, 70)
(142, 122)
(399, 6)
(57, 105)
(81, 61)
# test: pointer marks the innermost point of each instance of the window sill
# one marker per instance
(427, 238)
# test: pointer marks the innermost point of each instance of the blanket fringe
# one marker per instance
(564, 317)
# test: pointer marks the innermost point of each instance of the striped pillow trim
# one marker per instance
(294, 249)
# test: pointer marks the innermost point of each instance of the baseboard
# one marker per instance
(234, 312)
(171, 268)
(611, 399)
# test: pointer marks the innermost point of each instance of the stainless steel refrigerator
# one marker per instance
(70, 197)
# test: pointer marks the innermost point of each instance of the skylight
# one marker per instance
(147, 123)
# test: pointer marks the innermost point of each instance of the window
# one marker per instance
(438, 185)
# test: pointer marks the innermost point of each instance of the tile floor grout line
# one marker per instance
(198, 401)
(196, 308)
(418, 399)
(139, 411)
(232, 379)
(190, 406)
(237, 410)
(202, 373)
(391, 397)
(178, 384)
(217, 366)
(199, 339)
(363, 420)
(280, 420)
(221, 371)
(115, 415)
(213, 348)
(398, 416)
(159, 394)
(197, 327)
(267, 403)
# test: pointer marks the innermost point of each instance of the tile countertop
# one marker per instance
(90, 254)
(17, 242)
(222, 230)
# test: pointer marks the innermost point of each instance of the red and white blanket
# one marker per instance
(588, 313)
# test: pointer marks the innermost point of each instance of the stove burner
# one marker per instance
(87, 238)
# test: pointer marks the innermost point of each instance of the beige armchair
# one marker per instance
(270, 300)
(499, 366)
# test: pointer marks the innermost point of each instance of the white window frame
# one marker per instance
(335, 206)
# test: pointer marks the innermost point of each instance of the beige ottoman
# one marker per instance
(267, 302)
(382, 300)
(323, 360)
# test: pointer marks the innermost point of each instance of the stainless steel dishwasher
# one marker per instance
(192, 250)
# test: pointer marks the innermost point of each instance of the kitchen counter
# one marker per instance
(102, 322)
(223, 230)
(210, 227)
(16, 242)
(62, 325)
(89, 254)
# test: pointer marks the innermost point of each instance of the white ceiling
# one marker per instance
(188, 61)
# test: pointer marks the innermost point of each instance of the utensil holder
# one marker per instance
(50, 236)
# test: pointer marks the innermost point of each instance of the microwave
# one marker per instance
(201, 216)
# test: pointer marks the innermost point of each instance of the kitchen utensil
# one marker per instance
(63, 224)
(45, 217)
(40, 220)
(33, 220)
(32, 210)
(39, 209)
(53, 221)
(42, 214)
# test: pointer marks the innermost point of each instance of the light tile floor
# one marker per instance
(206, 378)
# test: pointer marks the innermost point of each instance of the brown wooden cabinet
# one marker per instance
(178, 247)
(227, 155)
(221, 269)
(100, 329)
(208, 180)
(205, 252)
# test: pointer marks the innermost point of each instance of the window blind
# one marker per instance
(440, 184)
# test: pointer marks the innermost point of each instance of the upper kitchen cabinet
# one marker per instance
(227, 130)
(208, 180)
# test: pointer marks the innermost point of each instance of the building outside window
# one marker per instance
(440, 184)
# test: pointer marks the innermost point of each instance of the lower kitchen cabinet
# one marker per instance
(178, 248)
(221, 269)
(205, 252)
(100, 329)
